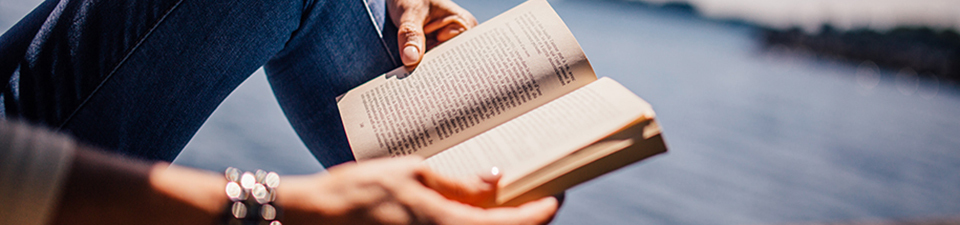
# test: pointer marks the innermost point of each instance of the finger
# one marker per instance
(449, 32)
(410, 35)
(536, 212)
(444, 22)
(475, 193)
(427, 204)
(433, 206)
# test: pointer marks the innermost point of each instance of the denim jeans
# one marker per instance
(140, 77)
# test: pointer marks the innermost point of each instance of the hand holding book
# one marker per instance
(425, 23)
(398, 191)
(515, 92)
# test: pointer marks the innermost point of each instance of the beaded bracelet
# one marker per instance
(251, 195)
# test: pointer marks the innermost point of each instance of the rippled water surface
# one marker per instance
(756, 136)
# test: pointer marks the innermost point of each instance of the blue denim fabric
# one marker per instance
(140, 77)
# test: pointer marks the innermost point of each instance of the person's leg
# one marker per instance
(14, 43)
(335, 50)
(140, 77)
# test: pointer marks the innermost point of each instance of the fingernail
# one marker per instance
(551, 201)
(491, 177)
(410, 54)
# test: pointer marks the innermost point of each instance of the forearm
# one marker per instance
(109, 189)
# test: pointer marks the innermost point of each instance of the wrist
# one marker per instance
(308, 199)
(200, 190)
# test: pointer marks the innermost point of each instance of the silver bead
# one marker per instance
(260, 174)
(232, 174)
(268, 212)
(247, 180)
(275, 222)
(272, 180)
(235, 192)
(239, 210)
(260, 193)
(271, 195)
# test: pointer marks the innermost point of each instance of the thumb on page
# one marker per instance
(410, 36)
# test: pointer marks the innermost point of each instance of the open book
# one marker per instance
(516, 93)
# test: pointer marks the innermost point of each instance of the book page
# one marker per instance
(635, 142)
(492, 73)
(545, 134)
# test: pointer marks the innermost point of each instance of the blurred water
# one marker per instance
(755, 137)
(12, 10)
